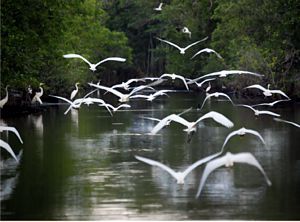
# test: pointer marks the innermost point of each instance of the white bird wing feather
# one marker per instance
(156, 163)
(179, 119)
(77, 56)
(170, 43)
(279, 92)
(113, 91)
(12, 129)
(285, 121)
(256, 86)
(195, 43)
(160, 125)
(7, 147)
(218, 117)
(206, 98)
(140, 96)
(251, 160)
(117, 59)
(247, 106)
(255, 133)
(208, 51)
(210, 166)
(268, 113)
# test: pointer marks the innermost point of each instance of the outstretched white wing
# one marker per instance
(269, 113)
(113, 91)
(7, 147)
(256, 86)
(280, 92)
(155, 163)
(179, 119)
(216, 94)
(161, 124)
(210, 166)
(250, 159)
(271, 104)
(195, 43)
(117, 59)
(170, 43)
(208, 51)
(218, 117)
(77, 56)
(285, 121)
(12, 129)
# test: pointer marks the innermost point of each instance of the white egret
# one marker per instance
(93, 66)
(182, 50)
(192, 126)
(38, 95)
(208, 88)
(5, 99)
(225, 73)
(260, 112)
(185, 30)
(122, 97)
(228, 160)
(216, 94)
(241, 132)
(12, 129)
(201, 83)
(75, 91)
(159, 8)
(174, 76)
(114, 109)
(207, 50)
(151, 97)
(267, 92)
(272, 103)
(179, 176)
(285, 121)
(126, 85)
(7, 147)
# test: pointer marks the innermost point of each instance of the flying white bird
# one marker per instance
(225, 73)
(38, 95)
(75, 91)
(192, 126)
(272, 103)
(208, 51)
(93, 66)
(7, 147)
(185, 30)
(122, 97)
(228, 160)
(179, 176)
(182, 50)
(174, 76)
(126, 85)
(153, 96)
(12, 129)
(5, 99)
(159, 8)
(260, 112)
(114, 109)
(267, 92)
(216, 94)
(285, 121)
(241, 132)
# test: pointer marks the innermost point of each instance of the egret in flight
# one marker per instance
(11, 129)
(93, 66)
(185, 30)
(75, 91)
(228, 160)
(260, 112)
(272, 103)
(225, 73)
(192, 126)
(267, 92)
(5, 99)
(7, 147)
(179, 176)
(182, 50)
(174, 76)
(207, 50)
(216, 94)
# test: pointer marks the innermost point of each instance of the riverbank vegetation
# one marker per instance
(253, 35)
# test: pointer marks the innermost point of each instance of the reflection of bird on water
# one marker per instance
(228, 160)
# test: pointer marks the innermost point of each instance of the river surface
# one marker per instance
(81, 166)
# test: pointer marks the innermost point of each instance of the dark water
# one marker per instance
(81, 166)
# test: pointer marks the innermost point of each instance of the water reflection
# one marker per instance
(81, 166)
